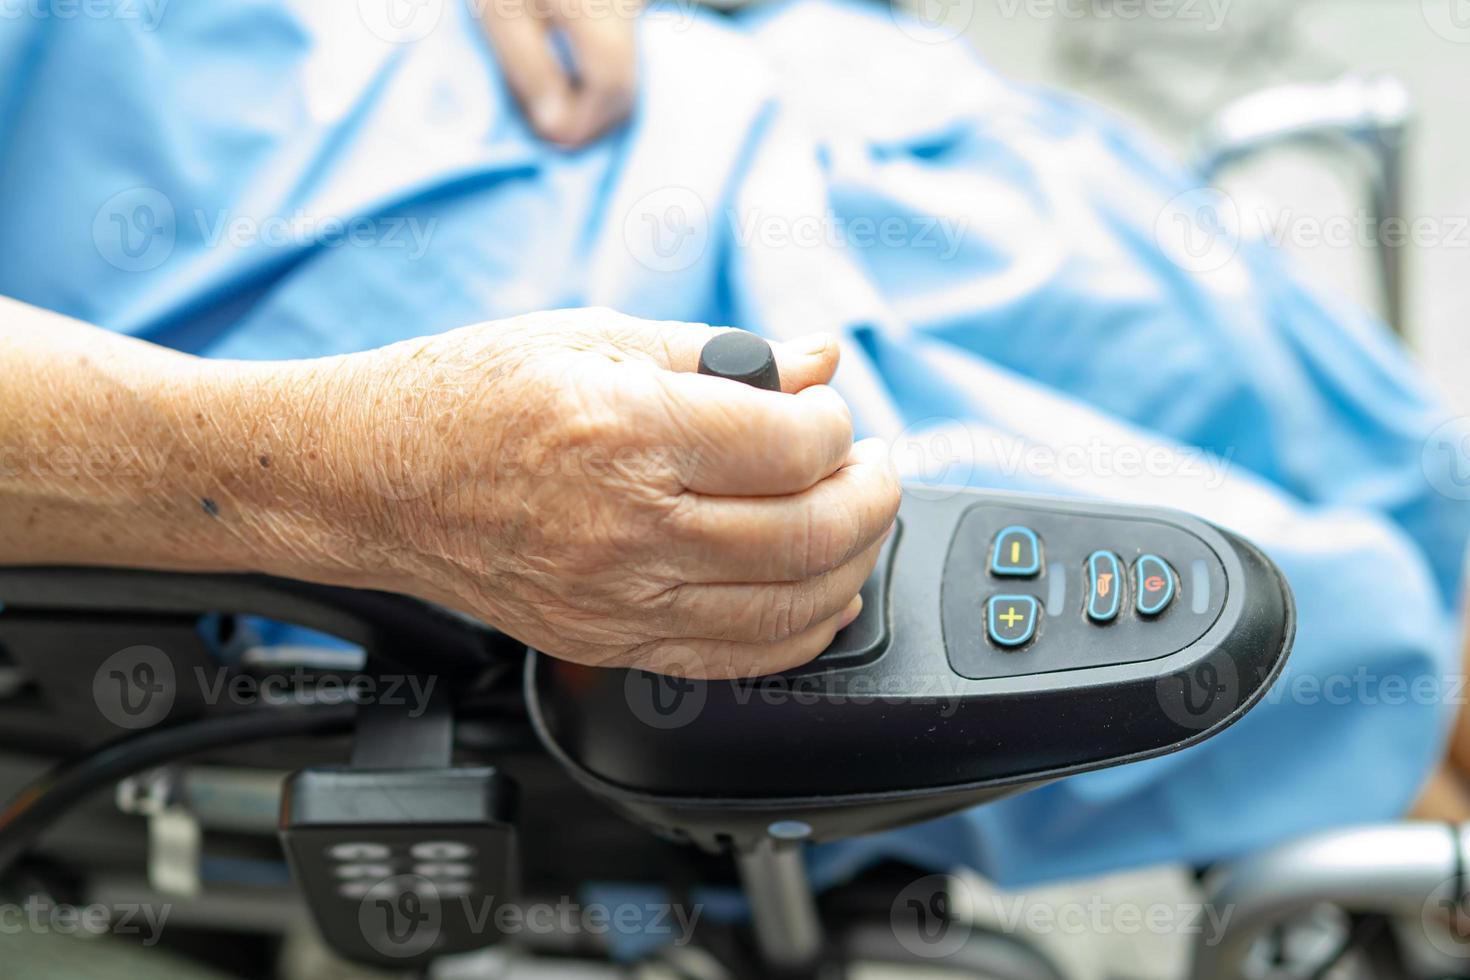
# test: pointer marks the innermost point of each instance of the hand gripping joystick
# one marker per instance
(1145, 630)
(783, 905)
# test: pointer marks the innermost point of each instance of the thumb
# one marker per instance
(803, 362)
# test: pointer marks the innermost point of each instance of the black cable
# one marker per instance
(1363, 931)
(34, 808)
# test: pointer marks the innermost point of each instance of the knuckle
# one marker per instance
(681, 519)
(801, 462)
(833, 410)
(668, 610)
(788, 612)
(826, 538)
(593, 552)
(587, 426)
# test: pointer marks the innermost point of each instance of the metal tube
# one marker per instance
(1388, 868)
(782, 905)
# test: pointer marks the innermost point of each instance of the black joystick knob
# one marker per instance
(741, 356)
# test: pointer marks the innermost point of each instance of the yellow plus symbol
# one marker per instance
(1010, 617)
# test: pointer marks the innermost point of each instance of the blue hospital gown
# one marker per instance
(1030, 295)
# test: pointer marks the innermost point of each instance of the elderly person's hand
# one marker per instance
(567, 477)
(567, 107)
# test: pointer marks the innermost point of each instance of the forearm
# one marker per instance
(118, 452)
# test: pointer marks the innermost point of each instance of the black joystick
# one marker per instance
(741, 356)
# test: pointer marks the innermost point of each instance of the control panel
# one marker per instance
(1030, 589)
(1005, 640)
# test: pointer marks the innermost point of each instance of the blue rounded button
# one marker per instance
(1016, 553)
(1104, 586)
(1154, 581)
(1011, 619)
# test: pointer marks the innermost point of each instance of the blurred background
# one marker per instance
(1337, 127)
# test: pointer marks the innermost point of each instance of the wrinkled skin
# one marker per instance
(569, 478)
(565, 476)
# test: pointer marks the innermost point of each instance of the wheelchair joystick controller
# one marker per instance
(741, 356)
(1006, 640)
